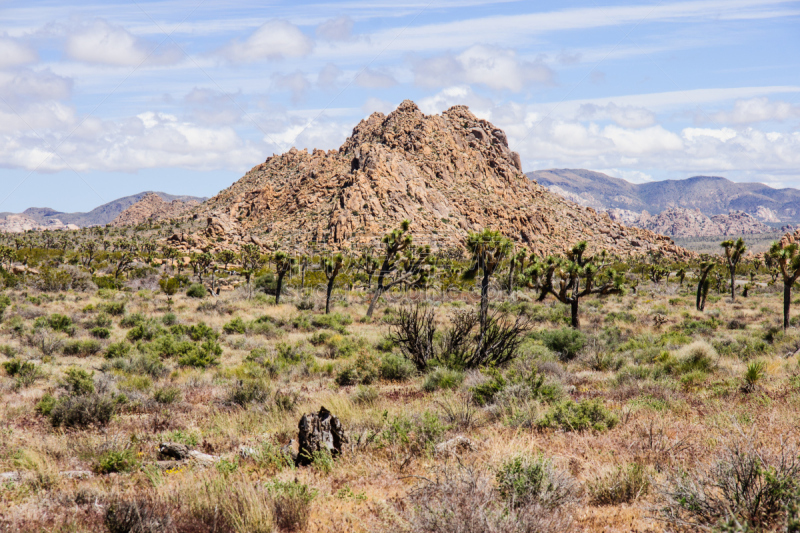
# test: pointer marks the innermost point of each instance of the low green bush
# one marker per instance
(82, 348)
(571, 416)
(114, 461)
(524, 481)
(196, 291)
(566, 342)
(442, 378)
(397, 368)
(624, 484)
(100, 333)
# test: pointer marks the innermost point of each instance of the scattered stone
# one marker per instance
(6, 477)
(247, 452)
(318, 432)
(203, 459)
(455, 446)
(77, 474)
(152, 208)
(173, 450)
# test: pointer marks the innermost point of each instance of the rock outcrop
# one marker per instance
(448, 174)
(152, 208)
(23, 223)
(678, 222)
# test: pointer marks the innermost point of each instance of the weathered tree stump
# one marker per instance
(319, 432)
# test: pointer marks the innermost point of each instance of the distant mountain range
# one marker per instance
(45, 217)
(694, 207)
(712, 195)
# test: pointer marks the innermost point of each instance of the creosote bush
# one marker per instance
(585, 415)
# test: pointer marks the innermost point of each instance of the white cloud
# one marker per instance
(459, 95)
(102, 43)
(14, 53)
(211, 107)
(372, 79)
(376, 104)
(273, 40)
(296, 82)
(625, 116)
(496, 68)
(756, 110)
(338, 29)
(724, 134)
(27, 85)
(329, 76)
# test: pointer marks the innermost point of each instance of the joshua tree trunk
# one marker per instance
(484, 301)
(733, 285)
(787, 302)
(328, 295)
(278, 288)
(573, 307)
(511, 278)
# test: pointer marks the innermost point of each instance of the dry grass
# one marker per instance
(671, 420)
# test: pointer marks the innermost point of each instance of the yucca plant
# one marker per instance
(755, 371)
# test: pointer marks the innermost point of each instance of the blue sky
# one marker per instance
(102, 100)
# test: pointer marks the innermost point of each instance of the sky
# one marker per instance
(104, 100)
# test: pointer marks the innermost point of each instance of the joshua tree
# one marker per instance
(170, 254)
(369, 264)
(572, 278)
(283, 265)
(126, 253)
(251, 261)
(303, 261)
(87, 251)
(517, 263)
(733, 254)
(399, 261)
(703, 284)
(148, 249)
(331, 266)
(788, 260)
(681, 274)
(226, 257)
(488, 249)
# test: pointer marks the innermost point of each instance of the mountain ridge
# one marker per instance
(99, 216)
(713, 195)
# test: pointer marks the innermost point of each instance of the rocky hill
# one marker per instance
(679, 222)
(46, 218)
(448, 174)
(152, 208)
(711, 195)
(22, 223)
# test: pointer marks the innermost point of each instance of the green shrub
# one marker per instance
(170, 319)
(112, 308)
(566, 342)
(167, 395)
(5, 302)
(244, 392)
(82, 348)
(385, 345)
(442, 378)
(525, 481)
(571, 416)
(363, 371)
(146, 331)
(56, 322)
(81, 411)
(100, 333)
(196, 291)
(112, 461)
(46, 404)
(397, 368)
(236, 325)
(624, 485)
(201, 331)
(118, 349)
(25, 372)
(132, 320)
(291, 504)
(484, 393)
(77, 381)
(365, 395)
(203, 356)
